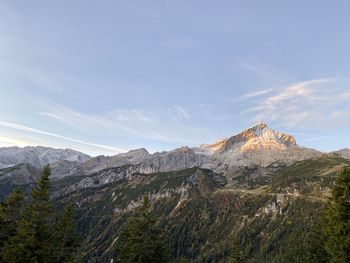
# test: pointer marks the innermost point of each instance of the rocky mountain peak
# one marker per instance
(183, 149)
(258, 137)
(259, 126)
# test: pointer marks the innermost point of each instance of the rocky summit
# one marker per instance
(259, 145)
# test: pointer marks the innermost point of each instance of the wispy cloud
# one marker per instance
(312, 103)
(257, 93)
(16, 126)
(262, 72)
(179, 113)
(118, 121)
(170, 125)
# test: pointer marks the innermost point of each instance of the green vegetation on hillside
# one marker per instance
(30, 233)
(140, 240)
(271, 214)
(331, 239)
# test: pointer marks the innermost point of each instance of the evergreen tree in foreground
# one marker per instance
(37, 237)
(329, 238)
(336, 227)
(10, 212)
(141, 241)
(66, 239)
(315, 244)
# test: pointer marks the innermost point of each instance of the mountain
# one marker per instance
(24, 175)
(178, 159)
(124, 165)
(38, 156)
(257, 145)
(343, 153)
(271, 208)
(258, 184)
(70, 168)
(140, 159)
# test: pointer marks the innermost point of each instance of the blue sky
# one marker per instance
(108, 76)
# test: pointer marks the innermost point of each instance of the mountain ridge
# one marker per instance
(256, 145)
(38, 156)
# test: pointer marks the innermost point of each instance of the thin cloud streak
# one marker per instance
(179, 113)
(304, 104)
(257, 93)
(171, 125)
(120, 121)
(20, 127)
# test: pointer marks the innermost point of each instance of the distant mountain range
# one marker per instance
(257, 145)
(258, 183)
(38, 156)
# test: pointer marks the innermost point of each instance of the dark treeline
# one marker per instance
(32, 231)
(330, 235)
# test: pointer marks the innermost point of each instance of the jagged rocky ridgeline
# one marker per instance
(257, 145)
(38, 156)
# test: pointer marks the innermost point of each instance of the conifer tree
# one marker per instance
(33, 240)
(141, 241)
(31, 234)
(314, 250)
(66, 240)
(336, 226)
(10, 212)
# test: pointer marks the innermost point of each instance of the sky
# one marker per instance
(105, 77)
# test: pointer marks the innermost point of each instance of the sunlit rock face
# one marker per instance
(209, 149)
(258, 137)
(258, 144)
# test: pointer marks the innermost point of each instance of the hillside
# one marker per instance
(271, 209)
(258, 184)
